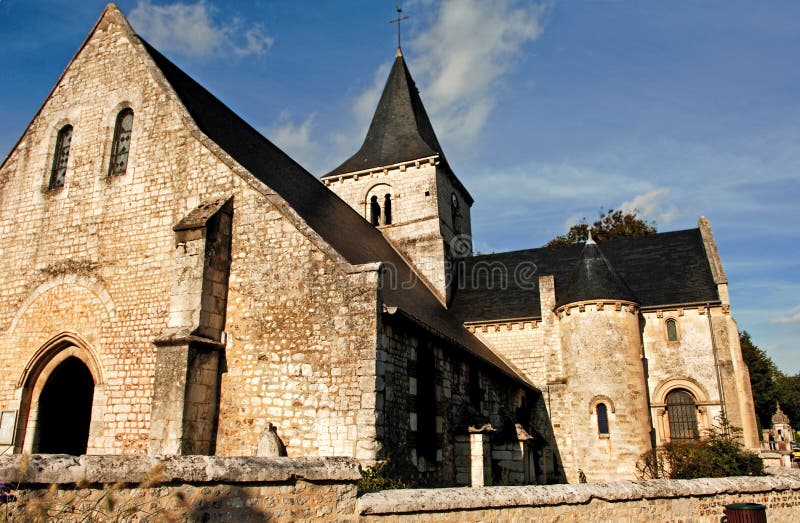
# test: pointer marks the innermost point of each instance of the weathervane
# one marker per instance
(397, 21)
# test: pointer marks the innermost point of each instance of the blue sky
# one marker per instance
(546, 111)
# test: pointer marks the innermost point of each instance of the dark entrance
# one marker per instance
(65, 409)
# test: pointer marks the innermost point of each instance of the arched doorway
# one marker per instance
(65, 409)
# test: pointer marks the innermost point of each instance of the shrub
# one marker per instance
(379, 477)
(718, 454)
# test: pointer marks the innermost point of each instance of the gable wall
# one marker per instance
(97, 258)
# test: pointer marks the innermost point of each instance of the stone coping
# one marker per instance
(64, 469)
(466, 498)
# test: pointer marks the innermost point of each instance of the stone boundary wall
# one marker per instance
(243, 489)
(698, 500)
(178, 488)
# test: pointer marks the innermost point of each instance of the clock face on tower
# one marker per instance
(454, 200)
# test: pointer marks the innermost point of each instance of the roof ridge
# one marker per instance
(572, 245)
(320, 209)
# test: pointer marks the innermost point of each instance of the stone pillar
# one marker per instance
(480, 458)
(185, 398)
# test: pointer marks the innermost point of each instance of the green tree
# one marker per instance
(763, 374)
(788, 390)
(611, 224)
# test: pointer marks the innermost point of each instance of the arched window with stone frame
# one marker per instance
(672, 329)
(602, 419)
(121, 143)
(682, 414)
(379, 202)
(602, 409)
(58, 172)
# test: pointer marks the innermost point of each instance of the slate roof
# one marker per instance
(333, 219)
(400, 130)
(661, 269)
(594, 278)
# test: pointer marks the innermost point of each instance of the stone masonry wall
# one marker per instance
(96, 259)
(460, 401)
(421, 218)
(204, 488)
(603, 362)
(519, 341)
(184, 489)
(698, 501)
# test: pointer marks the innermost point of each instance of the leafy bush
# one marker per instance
(379, 477)
(718, 454)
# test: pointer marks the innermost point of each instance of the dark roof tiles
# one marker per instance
(660, 269)
(335, 221)
(594, 278)
(400, 130)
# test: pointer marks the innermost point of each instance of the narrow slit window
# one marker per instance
(672, 330)
(602, 418)
(387, 209)
(60, 156)
(121, 145)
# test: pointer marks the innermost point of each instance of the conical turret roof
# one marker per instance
(594, 278)
(400, 130)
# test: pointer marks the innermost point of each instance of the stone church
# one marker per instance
(173, 283)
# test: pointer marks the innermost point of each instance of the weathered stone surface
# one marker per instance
(61, 469)
(455, 499)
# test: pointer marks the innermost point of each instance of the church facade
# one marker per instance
(173, 283)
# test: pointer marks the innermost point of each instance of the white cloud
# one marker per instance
(651, 206)
(190, 29)
(295, 139)
(459, 60)
(793, 316)
(462, 57)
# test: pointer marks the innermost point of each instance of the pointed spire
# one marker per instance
(589, 239)
(400, 130)
(594, 278)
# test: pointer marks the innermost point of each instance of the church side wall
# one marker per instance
(687, 364)
(302, 343)
(465, 392)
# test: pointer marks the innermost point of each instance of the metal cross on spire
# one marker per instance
(397, 21)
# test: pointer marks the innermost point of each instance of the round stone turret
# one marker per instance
(602, 346)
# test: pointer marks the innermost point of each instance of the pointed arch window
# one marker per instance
(672, 330)
(58, 172)
(121, 145)
(602, 419)
(682, 412)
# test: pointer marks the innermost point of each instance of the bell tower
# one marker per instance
(400, 181)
